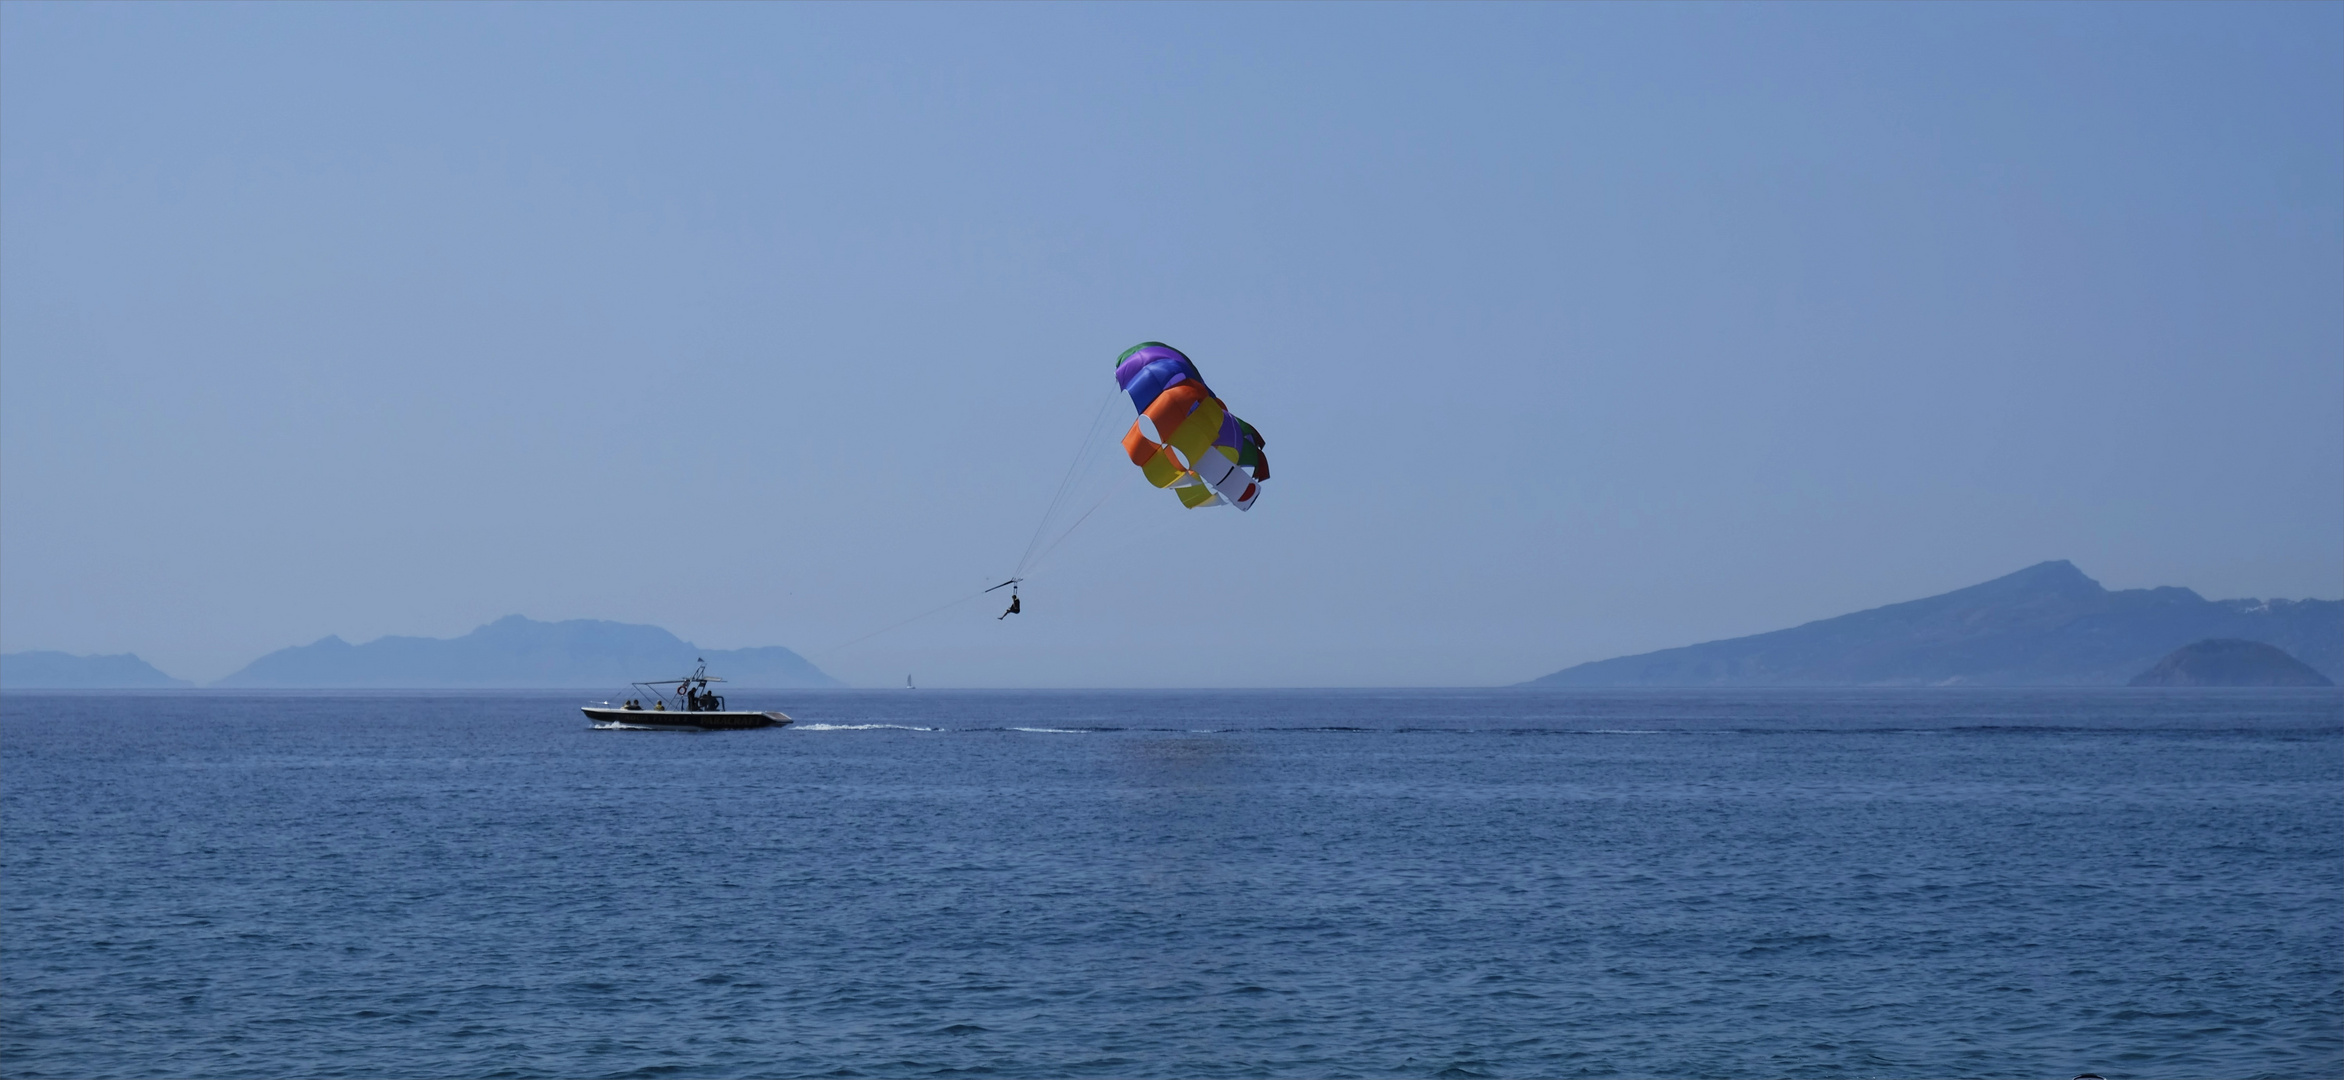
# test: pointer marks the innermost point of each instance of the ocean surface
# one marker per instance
(1160, 884)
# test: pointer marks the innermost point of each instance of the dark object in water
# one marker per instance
(696, 707)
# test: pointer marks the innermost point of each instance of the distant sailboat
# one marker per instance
(907, 683)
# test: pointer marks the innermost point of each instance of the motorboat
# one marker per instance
(694, 706)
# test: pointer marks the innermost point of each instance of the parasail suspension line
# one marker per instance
(1070, 491)
(1045, 553)
(906, 622)
(1086, 456)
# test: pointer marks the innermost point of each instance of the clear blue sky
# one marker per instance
(1575, 330)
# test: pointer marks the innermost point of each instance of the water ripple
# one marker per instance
(1213, 885)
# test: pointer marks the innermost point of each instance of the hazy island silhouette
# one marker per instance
(2046, 625)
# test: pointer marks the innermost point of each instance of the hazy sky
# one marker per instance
(1574, 330)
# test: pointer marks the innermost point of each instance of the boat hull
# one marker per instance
(731, 720)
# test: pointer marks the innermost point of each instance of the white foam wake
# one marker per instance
(861, 727)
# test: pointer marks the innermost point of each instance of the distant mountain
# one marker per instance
(2230, 662)
(519, 653)
(2047, 625)
(65, 671)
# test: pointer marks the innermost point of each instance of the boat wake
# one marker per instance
(863, 727)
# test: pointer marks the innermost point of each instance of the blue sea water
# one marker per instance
(1154, 884)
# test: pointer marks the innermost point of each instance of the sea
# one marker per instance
(1418, 883)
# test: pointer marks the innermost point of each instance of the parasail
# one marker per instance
(1185, 439)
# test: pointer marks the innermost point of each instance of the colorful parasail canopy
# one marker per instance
(1185, 439)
